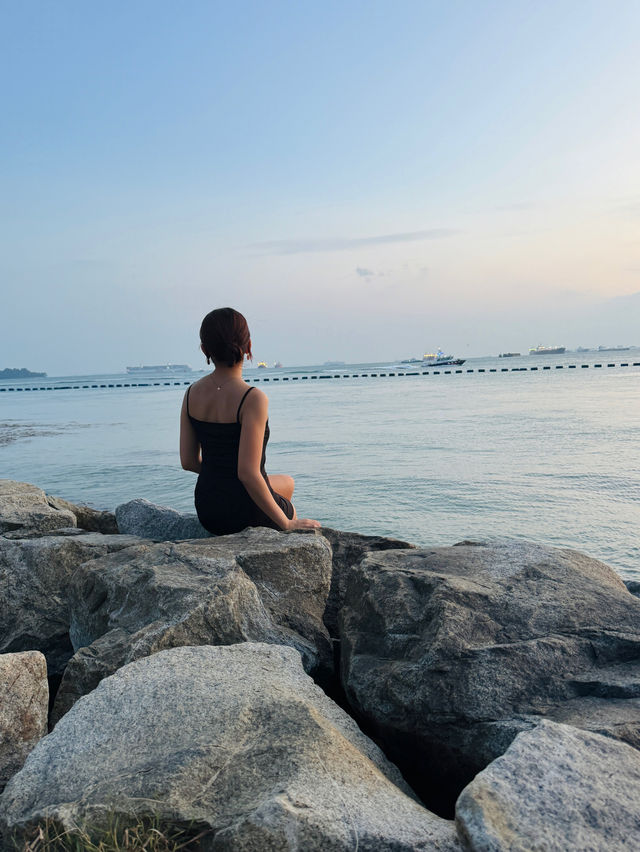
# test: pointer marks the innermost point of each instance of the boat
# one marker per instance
(262, 365)
(613, 348)
(148, 369)
(20, 373)
(509, 355)
(439, 359)
(435, 359)
(278, 365)
(548, 350)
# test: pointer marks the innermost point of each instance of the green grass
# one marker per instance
(120, 835)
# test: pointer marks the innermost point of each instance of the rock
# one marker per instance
(258, 585)
(633, 586)
(556, 788)
(93, 520)
(24, 507)
(348, 549)
(34, 580)
(235, 739)
(24, 704)
(447, 654)
(142, 518)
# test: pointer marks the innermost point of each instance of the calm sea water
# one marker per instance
(548, 455)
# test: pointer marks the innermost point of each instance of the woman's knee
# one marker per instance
(282, 484)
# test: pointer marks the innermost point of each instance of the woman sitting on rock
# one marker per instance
(223, 438)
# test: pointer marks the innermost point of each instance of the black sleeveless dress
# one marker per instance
(222, 502)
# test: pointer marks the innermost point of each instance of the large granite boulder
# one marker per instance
(161, 523)
(34, 580)
(24, 704)
(93, 520)
(234, 739)
(348, 549)
(448, 653)
(633, 586)
(258, 585)
(25, 508)
(556, 788)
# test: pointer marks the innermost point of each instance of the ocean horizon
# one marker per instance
(537, 447)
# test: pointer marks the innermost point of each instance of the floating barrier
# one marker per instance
(254, 380)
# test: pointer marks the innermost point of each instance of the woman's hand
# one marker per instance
(302, 524)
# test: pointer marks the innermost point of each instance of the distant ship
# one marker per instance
(20, 373)
(613, 348)
(548, 350)
(435, 359)
(509, 355)
(263, 365)
(160, 368)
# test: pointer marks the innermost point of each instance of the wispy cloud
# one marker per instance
(628, 207)
(516, 206)
(348, 243)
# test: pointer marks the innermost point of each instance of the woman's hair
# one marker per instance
(224, 335)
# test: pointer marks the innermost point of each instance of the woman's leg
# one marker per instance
(282, 484)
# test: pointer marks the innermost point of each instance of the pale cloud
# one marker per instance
(349, 243)
(516, 206)
(628, 207)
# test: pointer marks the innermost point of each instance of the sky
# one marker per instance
(363, 180)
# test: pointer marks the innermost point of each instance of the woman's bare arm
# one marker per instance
(254, 420)
(190, 450)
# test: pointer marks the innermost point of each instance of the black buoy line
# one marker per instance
(366, 375)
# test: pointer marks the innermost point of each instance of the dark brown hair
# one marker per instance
(225, 337)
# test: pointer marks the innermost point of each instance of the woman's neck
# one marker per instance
(222, 374)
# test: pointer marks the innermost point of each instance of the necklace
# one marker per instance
(219, 387)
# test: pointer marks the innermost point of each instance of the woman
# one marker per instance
(223, 438)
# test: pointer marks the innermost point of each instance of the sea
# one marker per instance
(540, 447)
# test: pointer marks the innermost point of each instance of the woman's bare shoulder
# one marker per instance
(257, 398)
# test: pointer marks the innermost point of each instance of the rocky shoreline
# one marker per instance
(313, 691)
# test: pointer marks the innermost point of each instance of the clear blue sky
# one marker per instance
(364, 180)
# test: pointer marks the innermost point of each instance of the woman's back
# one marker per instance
(224, 431)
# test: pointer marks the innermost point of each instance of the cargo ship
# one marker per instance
(548, 350)
(154, 369)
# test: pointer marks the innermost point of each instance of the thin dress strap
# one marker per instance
(242, 402)
(188, 389)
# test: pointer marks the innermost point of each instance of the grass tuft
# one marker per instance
(120, 835)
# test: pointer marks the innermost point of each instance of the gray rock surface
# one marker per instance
(147, 520)
(93, 520)
(35, 575)
(555, 789)
(234, 738)
(24, 705)
(24, 507)
(348, 549)
(449, 653)
(258, 585)
(633, 586)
